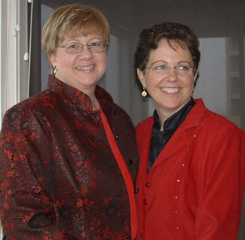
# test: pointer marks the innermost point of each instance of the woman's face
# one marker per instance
(80, 70)
(169, 90)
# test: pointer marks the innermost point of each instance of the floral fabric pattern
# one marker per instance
(59, 178)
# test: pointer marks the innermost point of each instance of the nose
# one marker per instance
(172, 74)
(86, 52)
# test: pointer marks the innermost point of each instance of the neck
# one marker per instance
(91, 93)
(95, 103)
(162, 120)
(164, 114)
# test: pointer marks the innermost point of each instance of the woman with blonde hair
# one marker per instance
(68, 155)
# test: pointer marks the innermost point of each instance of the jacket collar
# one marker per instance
(180, 139)
(175, 120)
(186, 131)
(195, 117)
(78, 100)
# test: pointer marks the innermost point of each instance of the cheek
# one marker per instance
(101, 67)
(189, 82)
(150, 80)
(103, 60)
(66, 60)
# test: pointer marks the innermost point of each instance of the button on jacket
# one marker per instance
(58, 176)
(194, 189)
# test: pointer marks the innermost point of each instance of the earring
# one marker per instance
(144, 93)
(54, 70)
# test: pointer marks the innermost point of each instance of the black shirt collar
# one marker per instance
(160, 138)
(175, 120)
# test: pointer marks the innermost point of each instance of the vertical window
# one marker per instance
(111, 78)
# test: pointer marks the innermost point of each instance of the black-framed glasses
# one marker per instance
(76, 47)
(162, 68)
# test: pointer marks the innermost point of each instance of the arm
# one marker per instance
(220, 203)
(27, 210)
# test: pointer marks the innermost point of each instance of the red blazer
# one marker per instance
(195, 187)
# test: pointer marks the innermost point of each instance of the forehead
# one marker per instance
(77, 32)
(169, 52)
(81, 38)
(82, 32)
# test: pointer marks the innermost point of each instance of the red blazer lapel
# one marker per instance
(144, 131)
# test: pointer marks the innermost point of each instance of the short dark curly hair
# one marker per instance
(172, 32)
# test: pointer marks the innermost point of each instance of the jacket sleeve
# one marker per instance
(219, 209)
(26, 207)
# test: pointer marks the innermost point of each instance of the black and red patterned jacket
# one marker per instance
(58, 176)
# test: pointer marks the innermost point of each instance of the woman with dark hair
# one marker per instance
(68, 155)
(192, 161)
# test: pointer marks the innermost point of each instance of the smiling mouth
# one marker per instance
(85, 67)
(170, 90)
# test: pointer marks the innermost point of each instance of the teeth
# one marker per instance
(85, 67)
(170, 90)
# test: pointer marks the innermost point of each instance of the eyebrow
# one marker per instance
(167, 62)
(92, 39)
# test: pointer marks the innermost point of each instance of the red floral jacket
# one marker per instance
(58, 177)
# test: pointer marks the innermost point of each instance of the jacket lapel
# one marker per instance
(144, 131)
(183, 135)
(177, 142)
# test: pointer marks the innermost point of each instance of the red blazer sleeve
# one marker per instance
(219, 209)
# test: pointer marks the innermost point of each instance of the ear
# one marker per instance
(141, 77)
(52, 60)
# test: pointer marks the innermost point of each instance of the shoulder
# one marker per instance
(146, 123)
(25, 110)
(121, 115)
(213, 123)
(119, 110)
(36, 100)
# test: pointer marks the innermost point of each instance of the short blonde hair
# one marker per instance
(71, 21)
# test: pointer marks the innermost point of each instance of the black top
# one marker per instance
(160, 138)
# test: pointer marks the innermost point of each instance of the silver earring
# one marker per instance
(144, 93)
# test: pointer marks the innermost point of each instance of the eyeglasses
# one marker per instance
(163, 69)
(75, 47)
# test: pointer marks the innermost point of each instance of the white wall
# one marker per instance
(14, 38)
(13, 68)
(45, 65)
(212, 83)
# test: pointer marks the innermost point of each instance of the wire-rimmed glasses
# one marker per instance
(76, 47)
(162, 68)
